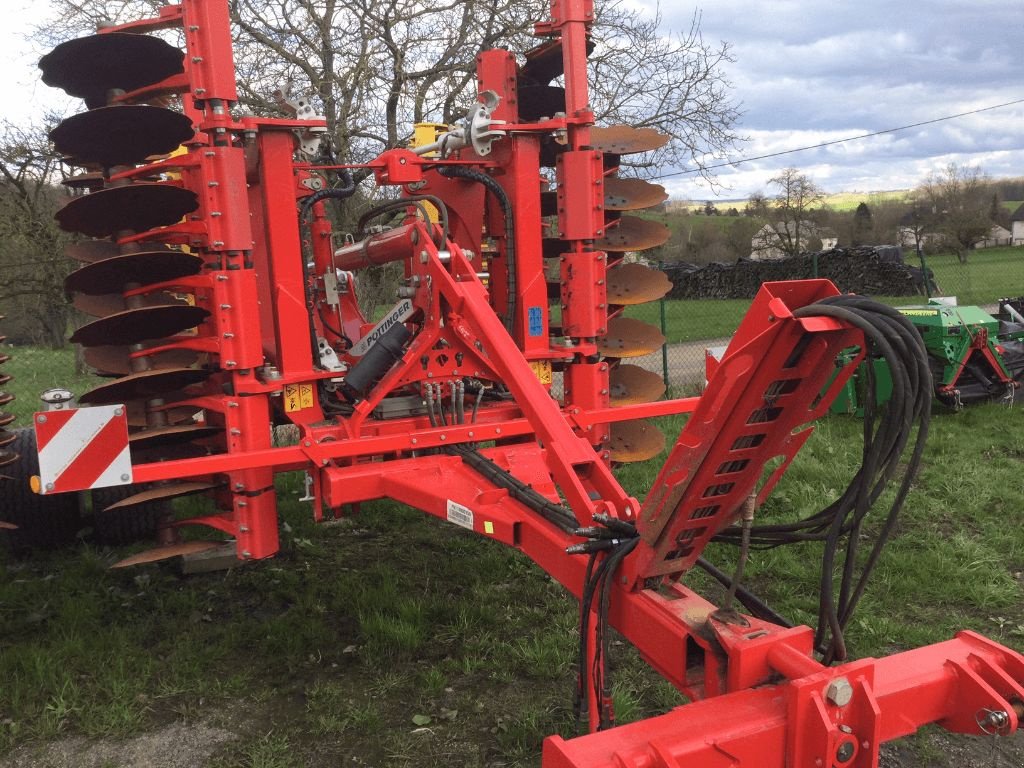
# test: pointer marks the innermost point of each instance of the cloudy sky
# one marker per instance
(814, 71)
(806, 72)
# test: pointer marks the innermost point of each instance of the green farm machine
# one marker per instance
(974, 356)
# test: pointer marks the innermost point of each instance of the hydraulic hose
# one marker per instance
(469, 174)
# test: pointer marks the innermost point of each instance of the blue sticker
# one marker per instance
(536, 321)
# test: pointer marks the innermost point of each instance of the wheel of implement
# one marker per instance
(43, 522)
(116, 526)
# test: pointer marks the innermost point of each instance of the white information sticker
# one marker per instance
(460, 515)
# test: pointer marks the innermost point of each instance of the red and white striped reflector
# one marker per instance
(83, 448)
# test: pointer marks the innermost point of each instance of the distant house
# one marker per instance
(767, 245)
(1017, 226)
(996, 236)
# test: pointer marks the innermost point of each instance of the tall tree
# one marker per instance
(958, 198)
(380, 65)
(862, 224)
(32, 261)
(790, 227)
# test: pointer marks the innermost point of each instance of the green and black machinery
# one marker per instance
(975, 356)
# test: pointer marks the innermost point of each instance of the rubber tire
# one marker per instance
(44, 522)
(124, 526)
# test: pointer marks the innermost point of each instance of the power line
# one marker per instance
(838, 141)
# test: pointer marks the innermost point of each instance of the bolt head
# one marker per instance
(845, 751)
(839, 692)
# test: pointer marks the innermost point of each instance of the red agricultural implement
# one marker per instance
(223, 307)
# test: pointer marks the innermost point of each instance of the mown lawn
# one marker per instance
(392, 639)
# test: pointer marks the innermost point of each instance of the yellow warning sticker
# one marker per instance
(298, 397)
(919, 312)
(542, 370)
(488, 527)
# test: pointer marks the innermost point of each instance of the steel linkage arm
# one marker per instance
(821, 716)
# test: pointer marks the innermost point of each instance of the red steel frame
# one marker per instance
(761, 696)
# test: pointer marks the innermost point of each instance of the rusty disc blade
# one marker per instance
(145, 384)
(632, 385)
(121, 135)
(6, 418)
(135, 325)
(632, 194)
(8, 457)
(627, 337)
(89, 251)
(90, 181)
(3, 358)
(163, 493)
(166, 553)
(6, 438)
(88, 67)
(637, 440)
(117, 359)
(636, 284)
(4, 378)
(109, 303)
(626, 140)
(158, 437)
(4, 524)
(537, 101)
(5, 398)
(176, 414)
(632, 233)
(144, 268)
(135, 207)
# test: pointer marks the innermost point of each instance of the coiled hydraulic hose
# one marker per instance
(889, 335)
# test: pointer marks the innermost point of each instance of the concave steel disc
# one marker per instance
(633, 234)
(166, 553)
(6, 438)
(637, 440)
(626, 140)
(88, 67)
(3, 523)
(110, 303)
(5, 398)
(135, 207)
(144, 268)
(89, 251)
(627, 337)
(121, 135)
(158, 437)
(3, 358)
(90, 181)
(163, 493)
(4, 378)
(537, 101)
(632, 194)
(174, 414)
(8, 457)
(632, 385)
(117, 359)
(636, 284)
(135, 325)
(145, 384)
(544, 63)
(6, 418)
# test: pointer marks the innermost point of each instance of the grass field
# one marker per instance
(392, 639)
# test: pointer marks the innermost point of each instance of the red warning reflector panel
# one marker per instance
(83, 448)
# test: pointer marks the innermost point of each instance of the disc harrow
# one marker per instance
(222, 309)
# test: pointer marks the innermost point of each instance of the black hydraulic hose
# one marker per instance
(346, 190)
(889, 335)
(750, 601)
(469, 174)
(405, 202)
